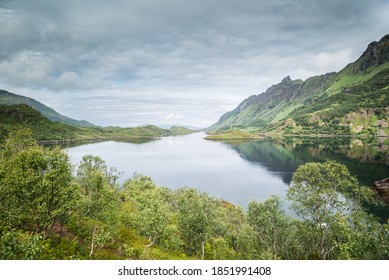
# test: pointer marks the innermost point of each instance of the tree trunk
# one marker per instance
(61, 231)
(152, 242)
(92, 245)
(202, 250)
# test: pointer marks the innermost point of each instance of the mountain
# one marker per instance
(352, 101)
(7, 98)
(22, 117)
(171, 125)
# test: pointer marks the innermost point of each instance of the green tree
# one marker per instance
(36, 184)
(19, 245)
(362, 237)
(329, 200)
(320, 190)
(272, 228)
(150, 212)
(219, 249)
(230, 233)
(99, 202)
(194, 220)
(245, 245)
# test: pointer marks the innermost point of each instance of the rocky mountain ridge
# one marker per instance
(332, 103)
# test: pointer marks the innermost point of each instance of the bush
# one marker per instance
(19, 245)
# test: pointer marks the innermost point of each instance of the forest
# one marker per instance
(50, 209)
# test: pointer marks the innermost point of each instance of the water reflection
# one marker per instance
(282, 156)
(368, 161)
(237, 171)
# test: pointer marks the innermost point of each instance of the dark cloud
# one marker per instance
(180, 51)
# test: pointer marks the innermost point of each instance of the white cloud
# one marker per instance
(147, 59)
(27, 68)
(175, 117)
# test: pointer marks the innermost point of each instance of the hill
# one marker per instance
(7, 98)
(22, 117)
(353, 101)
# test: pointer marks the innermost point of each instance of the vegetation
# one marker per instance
(330, 104)
(233, 134)
(7, 98)
(19, 117)
(49, 212)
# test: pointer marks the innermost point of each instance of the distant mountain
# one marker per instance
(353, 101)
(7, 98)
(169, 126)
(22, 117)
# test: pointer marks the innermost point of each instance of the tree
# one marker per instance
(272, 227)
(232, 236)
(363, 238)
(194, 218)
(320, 190)
(329, 200)
(19, 245)
(100, 200)
(150, 212)
(37, 184)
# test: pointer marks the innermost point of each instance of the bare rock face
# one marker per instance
(377, 53)
(381, 188)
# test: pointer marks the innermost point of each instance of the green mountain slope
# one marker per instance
(353, 101)
(22, 116)
(7, 98)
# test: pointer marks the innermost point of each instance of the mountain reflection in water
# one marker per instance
(237, 171)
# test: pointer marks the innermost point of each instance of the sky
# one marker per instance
(134, 62)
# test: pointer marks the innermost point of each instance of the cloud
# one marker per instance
(174, 117)
(150, 53)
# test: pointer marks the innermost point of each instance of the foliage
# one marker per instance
(194, 220)
(17, 244)
(7, 98)
(22, 117)
(36, 184)
(319, 105)
(99, 203)
(49, 213)
(150, 212)
(230, 134)
(320, 190)
(271, 226)
(329, 200)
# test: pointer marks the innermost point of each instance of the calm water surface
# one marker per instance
(239, 172)
(175, 162)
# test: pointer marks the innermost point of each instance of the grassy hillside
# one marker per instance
(21, 117)
(354, 101)
(7, 98)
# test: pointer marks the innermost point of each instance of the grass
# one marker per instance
(231, 135)
(21, 117)
(284, 113)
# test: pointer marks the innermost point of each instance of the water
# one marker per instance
(239, 172)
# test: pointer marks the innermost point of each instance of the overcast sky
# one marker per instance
(131, 62)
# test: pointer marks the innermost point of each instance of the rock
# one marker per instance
(381, 188)
(377, 53)
(287, 79)
(357, 129)
(381, 124)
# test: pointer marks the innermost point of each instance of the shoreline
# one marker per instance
(265, 135)
(95, 139)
